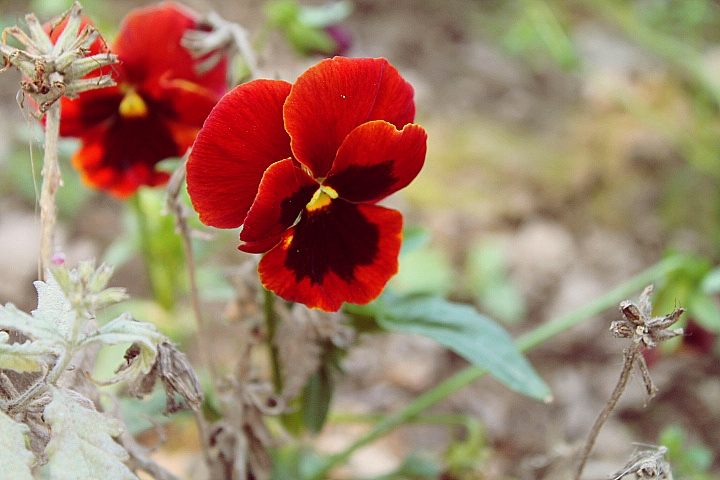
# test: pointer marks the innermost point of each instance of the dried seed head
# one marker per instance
(56, 70)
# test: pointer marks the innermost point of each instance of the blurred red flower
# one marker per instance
(154, 112)
(301, 167)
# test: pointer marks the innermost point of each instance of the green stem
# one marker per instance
(271, 322)
(525, 342)
(162, 288)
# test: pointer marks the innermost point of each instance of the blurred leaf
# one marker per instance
(462, 329)
(711, 282)
(414, 237)
(414, 467)
(705, 311)
(294, 461)
(15, 459)
(317, 398)
(81, 444)
(325, 15)
(491, 285)
(423, 270)
(689, 461)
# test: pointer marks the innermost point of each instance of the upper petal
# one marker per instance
(342, 253)
(376, 160)
(333, 97)
(148, 45)
(283, 193)
(241, 138)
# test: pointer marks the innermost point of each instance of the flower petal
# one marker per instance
(148, 45)
(107, 160)
(376, 160)
(341, 253)
(241, 138)
(333, 97)
(284, 192)
(88, 110)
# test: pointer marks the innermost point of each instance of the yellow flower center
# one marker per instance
(132, 105)
(322, 198)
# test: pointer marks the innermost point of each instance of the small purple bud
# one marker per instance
(58, 259)
(341, 37)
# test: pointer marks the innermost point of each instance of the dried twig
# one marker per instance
(645, 331)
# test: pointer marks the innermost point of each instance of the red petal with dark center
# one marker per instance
(376, 160)
(109, 161)
(284, 192)
(88, 110)
(341, 253)
(148, 45)
(333, 97)
(242, 137)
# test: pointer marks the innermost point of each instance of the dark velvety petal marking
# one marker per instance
(283, 193)
(148, 45)
(333, 97)
(341, 253)
(121, 157)
(88, 110)
(376, 160)
(241, 138)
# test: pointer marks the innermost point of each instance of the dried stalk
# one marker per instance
(51, 182)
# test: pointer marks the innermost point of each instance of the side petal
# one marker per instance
(148, 44)
(284, 192)
(376, 160)
(342, 253)
(333, 97)
(241, 138)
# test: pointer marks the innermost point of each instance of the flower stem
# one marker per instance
(50, 184)
(161, 285)
(271, 321)
(472, 373)
(631, 355)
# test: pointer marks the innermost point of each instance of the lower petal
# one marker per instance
(122, 157)
(341, 253)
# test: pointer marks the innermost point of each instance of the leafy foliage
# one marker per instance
(15, 459)
(82, 443)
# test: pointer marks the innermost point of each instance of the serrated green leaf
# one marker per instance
(82, 444)
(24, 357)
(54, 309)
(15, 459)
(463, 330)
(14, 319)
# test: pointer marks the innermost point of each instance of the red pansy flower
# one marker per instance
(154, 112)
(301, 168)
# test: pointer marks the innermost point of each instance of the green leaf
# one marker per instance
(81, 445)
(468, 333)
(15, 459)
(705, 311)
(54, 309)
(125, 329)
(24, 357)
(424, 270)
(317, 398)
(325, 15)
(490, 283)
